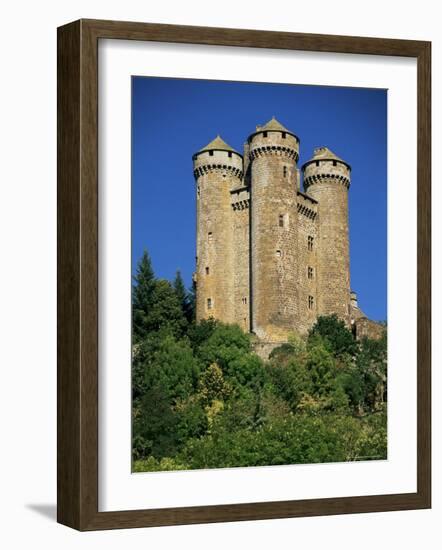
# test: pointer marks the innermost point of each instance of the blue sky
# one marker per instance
(173, 118)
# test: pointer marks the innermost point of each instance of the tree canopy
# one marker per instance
(203, 399)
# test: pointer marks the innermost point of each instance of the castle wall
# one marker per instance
(215, 175)
(240, 199)
(274, 262)
(327, 181)
(271, 258)
(308, 268)
(365, 328)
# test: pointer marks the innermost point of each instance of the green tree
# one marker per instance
(212, 386)
(154, 424)
(336, 336)
(165, 375)
(299, 439)
(290, 379)
(192, 419)
(162, 360)
(165, 310)
(225, 344)
(183, 296)
(198, 333)
(372, 366)
(142, 295)
(191, 306)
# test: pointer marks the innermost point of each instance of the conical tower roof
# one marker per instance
(324, 153)
(218, 144)
(272, 124)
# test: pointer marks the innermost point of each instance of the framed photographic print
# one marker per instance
(243, 275)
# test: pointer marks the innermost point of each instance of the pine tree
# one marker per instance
(185, 298)
(180, 290)
(191, 303)
(142, 291)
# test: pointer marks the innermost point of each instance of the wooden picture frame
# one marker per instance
(78, 274)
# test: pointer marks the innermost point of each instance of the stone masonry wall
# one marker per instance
(369, 329)
(327, 181)
(308, 269)
(216, 174)
(240, 199)
(273, 242)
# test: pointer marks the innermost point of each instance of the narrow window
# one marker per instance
(244, 301)
(310, 272)
(334, 163)
(207, 270)
(209, 235)
(281, 220)
(310, 302)
(317, 163)
(264, 134)
(285, 171)
(283, 135)
(198, 191)
(229, 154)
(310, 242)
(209, 303)
(278, 253)
(210, 153)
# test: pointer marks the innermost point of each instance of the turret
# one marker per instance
(327, 179)
(218, 169)
(273, 154)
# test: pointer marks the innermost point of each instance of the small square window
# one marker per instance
(210, 153)
(278, 253)
(264, 134)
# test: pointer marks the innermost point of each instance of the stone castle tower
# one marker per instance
(271, 257)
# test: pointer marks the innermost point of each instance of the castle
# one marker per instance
(271, 257)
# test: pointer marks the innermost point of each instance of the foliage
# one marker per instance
(142, 295)
(212, 386)
(203, 399)
(185, 299)
(336, 336)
